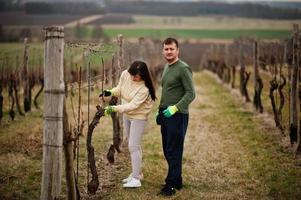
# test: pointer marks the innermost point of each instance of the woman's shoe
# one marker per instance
(132, 183)
(127, 179)
(130, 177)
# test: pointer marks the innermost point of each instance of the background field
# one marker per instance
(200, 27)
(132, 26)
(204, 22)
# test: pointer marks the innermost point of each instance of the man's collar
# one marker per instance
(169, 64)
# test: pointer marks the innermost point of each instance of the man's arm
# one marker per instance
(189, 95)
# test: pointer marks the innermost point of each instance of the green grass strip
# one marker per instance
(198, 34)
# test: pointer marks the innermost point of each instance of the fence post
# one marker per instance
(120, 60)
(228, 70)
(258, 85)
(26, 86)
(293, 92)
(53, 112)
(141, 48)
(242, 68)
(121, 67)
(255, 62)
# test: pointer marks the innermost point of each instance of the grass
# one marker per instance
(268, 160)
(11, 55)
(197, 34)
(20, 157)
(230, 153)
(161, 32)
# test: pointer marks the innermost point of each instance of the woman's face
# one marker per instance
(136, 78)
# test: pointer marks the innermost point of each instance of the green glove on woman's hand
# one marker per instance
(109, 110)
(169, 111)
(106, 93)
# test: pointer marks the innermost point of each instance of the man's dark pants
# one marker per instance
(173, 130)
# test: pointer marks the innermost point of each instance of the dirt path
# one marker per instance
(83, 21)
(222, 159)
(215, 165)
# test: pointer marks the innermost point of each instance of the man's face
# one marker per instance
(170, 52)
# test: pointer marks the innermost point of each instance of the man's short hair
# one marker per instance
(170, 41)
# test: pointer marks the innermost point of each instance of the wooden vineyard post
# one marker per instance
(120, 63)
(244, 76)
(68, 149)
(242, 68)
(25, 75)
(53, 112)
(120, 60)
(258, 85)
(255, 62)
(293, 92)
(15, 86)
(141, 48)
(227, 77)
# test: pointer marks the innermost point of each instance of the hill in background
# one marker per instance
(263, 10)
(254, 9)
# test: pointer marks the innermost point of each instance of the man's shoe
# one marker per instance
(179, 186)
(167, 191)
(132, 183)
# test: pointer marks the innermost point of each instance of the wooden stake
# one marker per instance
(293, 92)
(53, 113)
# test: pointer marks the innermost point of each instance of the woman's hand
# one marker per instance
(109, 110)
(106, 93)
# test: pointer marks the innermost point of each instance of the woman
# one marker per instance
(137, 94)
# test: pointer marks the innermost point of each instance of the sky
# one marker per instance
(189, 0)
(181, 0)
(234, 0)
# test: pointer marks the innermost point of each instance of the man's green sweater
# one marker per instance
(177, 86)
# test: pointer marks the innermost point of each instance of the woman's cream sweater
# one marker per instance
(136, 102)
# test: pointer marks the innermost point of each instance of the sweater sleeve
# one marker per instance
(189, 95)
(116, 90)
(139, 98)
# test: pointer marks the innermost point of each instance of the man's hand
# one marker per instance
(158, 118)
(169, 111)
(109, 110)
(106, 93)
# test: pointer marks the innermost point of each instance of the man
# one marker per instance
(177, 93)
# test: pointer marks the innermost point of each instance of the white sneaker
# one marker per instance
(132, 183)
(130, 177)
(127, 179)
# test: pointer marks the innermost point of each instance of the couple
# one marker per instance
(137, 92)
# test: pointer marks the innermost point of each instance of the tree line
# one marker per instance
(163, 8)
(251, 10)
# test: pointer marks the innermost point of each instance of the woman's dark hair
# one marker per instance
(140, 68)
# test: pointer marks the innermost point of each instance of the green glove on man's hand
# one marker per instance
(106, 93)
(109, 110)
(169, 111)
